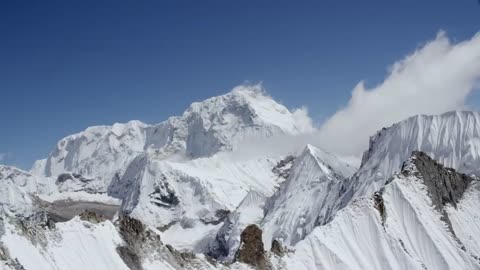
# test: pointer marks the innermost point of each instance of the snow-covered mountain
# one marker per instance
(452, 138)
(304, 200)
(182, 194)
(402, 226)
(101, 154)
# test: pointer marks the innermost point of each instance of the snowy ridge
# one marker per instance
(227, 240)
(305, 199)
(452, 139)
(410, 235)
(16, 187)
(192, 194)
(217, 124)
(190, 186)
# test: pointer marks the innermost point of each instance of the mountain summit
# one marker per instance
(181, 195)
(217, 124)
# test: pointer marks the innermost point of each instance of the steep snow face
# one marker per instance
(306, 199)
(79, 244)
(465, 219)
(227, 241)
(101, 154)
(15, 189)
(220, 123)
(28, 182)
(73, 245)
(200, 191)
(401, 229)
(97, 154)
(452, 138)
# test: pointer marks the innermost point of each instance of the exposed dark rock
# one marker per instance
(219, 247)
(220, 216)
(167, 226)
(444, 185)
(130, 258)
(71, 176)
(42, 219)
(251, 250)
(282, 169)
(380, 205)
(181, 257)
(63, 178)
(141, 242)
(8, 260)
(133, 233)
(34, 227)
(163, 195)
(92, 217)
(277, 248)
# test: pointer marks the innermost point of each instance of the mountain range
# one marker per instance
(198, 191)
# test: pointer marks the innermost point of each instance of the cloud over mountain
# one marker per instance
(435, 78)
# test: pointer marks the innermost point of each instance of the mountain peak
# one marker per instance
(246, 106)
(451, 138)
(444, 185)
(206, 128)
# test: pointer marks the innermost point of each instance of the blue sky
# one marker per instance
(67, 65)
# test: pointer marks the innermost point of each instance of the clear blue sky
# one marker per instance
(67, 65)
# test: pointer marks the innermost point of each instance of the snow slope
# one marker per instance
(101, 154)
(304, 201)
(227, 240)
(73, 245)
(452, 138)
(79, 244)
(190, 182)
(409, 235)
(199, 194)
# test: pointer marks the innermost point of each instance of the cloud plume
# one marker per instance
(436, 78)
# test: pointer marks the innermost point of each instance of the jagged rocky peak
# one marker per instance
(452, 139)
(306, 199)
(444, 185)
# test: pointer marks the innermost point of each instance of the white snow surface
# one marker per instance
(73, 245)
(306, 198)
(201, 188)
(250, 211)
(182, 177)
(412, 237)
(217, 124)
(453, 139)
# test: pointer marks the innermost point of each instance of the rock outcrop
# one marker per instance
(251, 249)
(92, 217)
(277, 248)
(444, 185)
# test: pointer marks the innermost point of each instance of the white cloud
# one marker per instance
(434, 79)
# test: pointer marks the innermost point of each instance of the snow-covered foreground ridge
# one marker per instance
(189, 193)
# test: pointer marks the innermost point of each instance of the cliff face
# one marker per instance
(251, 249)
(445, 185)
